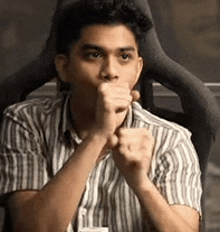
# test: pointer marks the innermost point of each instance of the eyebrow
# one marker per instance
(101, 49)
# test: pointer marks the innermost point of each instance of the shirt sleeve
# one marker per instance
(22, 164)
(177, 174)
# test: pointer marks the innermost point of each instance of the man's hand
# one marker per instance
(113, 101)
(133, 154)
(132, 147)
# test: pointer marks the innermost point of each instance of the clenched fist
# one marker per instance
(133, 154)
(113, 101)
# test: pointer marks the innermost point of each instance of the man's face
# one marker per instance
(102, 53)
(196, 25)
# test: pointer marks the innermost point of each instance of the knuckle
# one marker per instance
(122, 149)
(121, 132)
(102, 87)
(121, 141)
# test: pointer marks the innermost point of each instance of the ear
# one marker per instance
(140, 65)
(61, 63)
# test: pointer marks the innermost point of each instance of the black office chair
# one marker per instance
(201, 113)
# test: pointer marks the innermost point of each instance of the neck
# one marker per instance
(84, 116)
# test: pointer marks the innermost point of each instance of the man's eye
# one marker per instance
(93, 55)
(125, 57)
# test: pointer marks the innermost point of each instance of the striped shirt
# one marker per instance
(38, 137)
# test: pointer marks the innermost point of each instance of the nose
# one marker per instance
(109, 69)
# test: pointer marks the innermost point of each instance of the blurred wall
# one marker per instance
(24, 29)
(189, 32)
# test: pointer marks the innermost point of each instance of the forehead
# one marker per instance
(108, 36)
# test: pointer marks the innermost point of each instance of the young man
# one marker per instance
(94, 158)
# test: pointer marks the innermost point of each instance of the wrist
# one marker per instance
(97, 137)
(143, 185)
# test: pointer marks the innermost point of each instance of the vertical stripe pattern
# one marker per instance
(35, 144)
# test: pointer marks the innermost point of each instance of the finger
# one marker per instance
(135, 95)
(113, 141)
(122, 103)
(123, 150)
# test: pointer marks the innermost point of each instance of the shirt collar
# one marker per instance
(66, 120)
(129, 118)
(67, 131)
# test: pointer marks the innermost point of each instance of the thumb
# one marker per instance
(113, 141)
(135, 95)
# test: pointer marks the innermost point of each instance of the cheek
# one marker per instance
(131, 75)
(84, 74)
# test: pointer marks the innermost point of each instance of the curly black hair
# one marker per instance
(73, 17)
